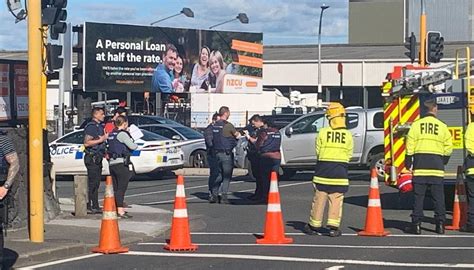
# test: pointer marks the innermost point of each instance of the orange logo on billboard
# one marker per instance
(251, 84)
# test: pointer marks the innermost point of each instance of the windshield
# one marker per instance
(189, 133)
(150, 136)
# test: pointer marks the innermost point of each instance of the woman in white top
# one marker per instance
(216, 76)
(201, 69)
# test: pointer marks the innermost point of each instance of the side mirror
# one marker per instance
(289, 131)
(176, 138)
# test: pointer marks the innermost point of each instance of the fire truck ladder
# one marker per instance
(464, 71)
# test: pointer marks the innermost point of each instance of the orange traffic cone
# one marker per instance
(109, 242)
(180, 239)
(274, 227)
(460, 203)
(374, 220)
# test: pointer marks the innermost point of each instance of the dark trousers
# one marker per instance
(437, 193)
(94, 174)
(470, 196)
(121, 175)
(225, 164)
(255, 168)
(213, 171)
(267, 166)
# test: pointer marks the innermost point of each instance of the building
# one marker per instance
(390, 21)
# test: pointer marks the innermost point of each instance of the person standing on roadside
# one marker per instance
(110, 125)
(251, 133)
(211, 158)
(95, 145)
(120, 145)
(334, 148)
(224, 140)
(8, 156)
(469, 172)
(428, 149)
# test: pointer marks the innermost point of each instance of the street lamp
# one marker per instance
(320, 87)
(186, 11)
(242, 17)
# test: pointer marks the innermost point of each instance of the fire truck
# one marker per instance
(404, 92)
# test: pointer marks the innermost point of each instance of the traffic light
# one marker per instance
(434, 47)
(54, 15)
(53, 53)
(410, 44)
(77, 71)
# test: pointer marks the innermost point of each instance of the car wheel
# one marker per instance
(199, 159)
(378, 162)
(287, 174)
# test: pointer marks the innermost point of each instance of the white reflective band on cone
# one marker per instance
(374, 203)
(180, 213)
(180, 191)
(274, 186)
(274, 207)
(460, 198)
(374, 183)
(109, 215)
(109, 191)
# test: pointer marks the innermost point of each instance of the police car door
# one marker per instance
(66, 153)
(298, 139)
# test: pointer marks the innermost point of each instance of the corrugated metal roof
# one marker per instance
(310, 52)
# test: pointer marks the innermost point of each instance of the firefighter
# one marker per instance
(469, 172)
(428, 148)
(334, 148)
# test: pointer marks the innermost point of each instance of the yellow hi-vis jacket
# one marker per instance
(334, 150)
(428, 147)
(469, 140)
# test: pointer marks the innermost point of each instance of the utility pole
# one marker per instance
(422, 57)
(35, 137)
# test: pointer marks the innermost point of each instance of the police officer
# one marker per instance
(8, 154)
(110, 125)
(334, 148)
(251, 131)
(95, 144)
(120, 143)
(224, 141)
(469, 172)
(428, 148)
(211, 157)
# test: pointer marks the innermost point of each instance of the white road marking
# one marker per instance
(297, 259)
(344, 234)
(61, 261)
(336, 267)
(320, 246)
(246, 190)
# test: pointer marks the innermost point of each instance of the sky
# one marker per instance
(282, 22)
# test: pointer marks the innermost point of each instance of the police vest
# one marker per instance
(334, 149)
(469, 140)
(219, 141)
(116, 148)
(429, 143)
(98, 148)
(272, 143)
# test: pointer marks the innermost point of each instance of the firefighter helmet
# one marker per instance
(336, 115)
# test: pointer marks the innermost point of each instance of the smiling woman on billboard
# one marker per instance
(200, 70)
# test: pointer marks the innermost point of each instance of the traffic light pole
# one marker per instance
(35, 137)
(422, 57)
(44, 79)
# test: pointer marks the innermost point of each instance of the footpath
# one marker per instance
(68, 236)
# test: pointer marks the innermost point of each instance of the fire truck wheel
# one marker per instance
(377, 161)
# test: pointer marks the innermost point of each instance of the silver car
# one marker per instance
(194, 148)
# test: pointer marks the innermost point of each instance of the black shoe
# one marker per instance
(212, 199)
(467, 228)
(414, 228)
(254, 197)
(224, 200)
(94, 211)
(440, 227)
(310, 230)
(124, 216)
(334, 232)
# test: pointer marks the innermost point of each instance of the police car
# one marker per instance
(155, 153)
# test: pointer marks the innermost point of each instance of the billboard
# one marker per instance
(130, 58)
(5, 110)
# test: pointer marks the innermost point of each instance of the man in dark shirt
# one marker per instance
(253, 155)
(8, 154)
(211, 158)
(95, 144)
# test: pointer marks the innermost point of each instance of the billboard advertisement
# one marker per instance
(20, 90)
(158, 59)
(5, 110)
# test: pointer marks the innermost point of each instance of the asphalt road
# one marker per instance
(226, 233)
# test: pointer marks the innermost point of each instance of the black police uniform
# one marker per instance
(254, 159)
(211, 161)
(268, 163)
(93, 161)
(223, 146)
